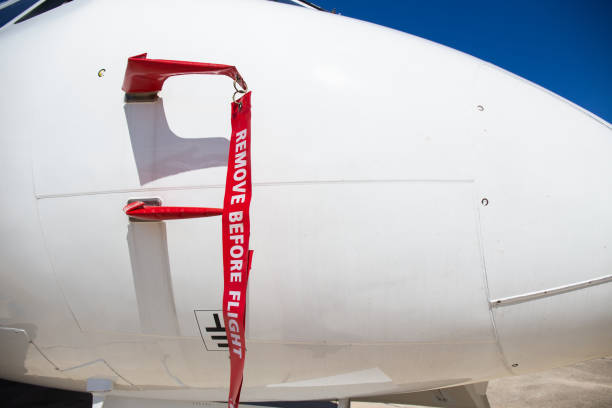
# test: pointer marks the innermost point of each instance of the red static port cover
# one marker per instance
(148, 75)
(141, 211)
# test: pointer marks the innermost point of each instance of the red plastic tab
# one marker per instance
(148, 75)
(142, 211)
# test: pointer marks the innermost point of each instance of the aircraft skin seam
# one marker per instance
(43, 354)
(47, 251)
(174, 377)
(99, 360)
(476, 127)
(25, 333)
(348, 344)
(487, 294)
(260, 184)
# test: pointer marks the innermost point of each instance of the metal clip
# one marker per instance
(239, 91)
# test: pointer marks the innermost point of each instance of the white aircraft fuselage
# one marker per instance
(420, 218)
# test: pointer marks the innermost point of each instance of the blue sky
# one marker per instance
(562, 45)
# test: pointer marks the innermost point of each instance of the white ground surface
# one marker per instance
(583, 385)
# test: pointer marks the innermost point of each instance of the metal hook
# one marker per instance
(234, 99)
(239, 91)
(236, 93)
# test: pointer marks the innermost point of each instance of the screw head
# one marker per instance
(484, 202)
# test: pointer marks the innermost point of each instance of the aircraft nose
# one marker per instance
(547, 229)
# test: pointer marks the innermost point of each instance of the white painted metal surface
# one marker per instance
(375, 260)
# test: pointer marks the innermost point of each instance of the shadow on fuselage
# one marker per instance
(159, 152)
(148, 247)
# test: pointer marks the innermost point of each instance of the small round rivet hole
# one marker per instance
(515, 365)
(480, 108)
(484, 202)
(101, 72)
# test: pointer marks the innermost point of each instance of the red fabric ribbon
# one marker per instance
(148, 75)
(236, 232)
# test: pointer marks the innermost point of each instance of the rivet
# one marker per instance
(484, 202)
(101, 72)
(480, 108)
(515, 365)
